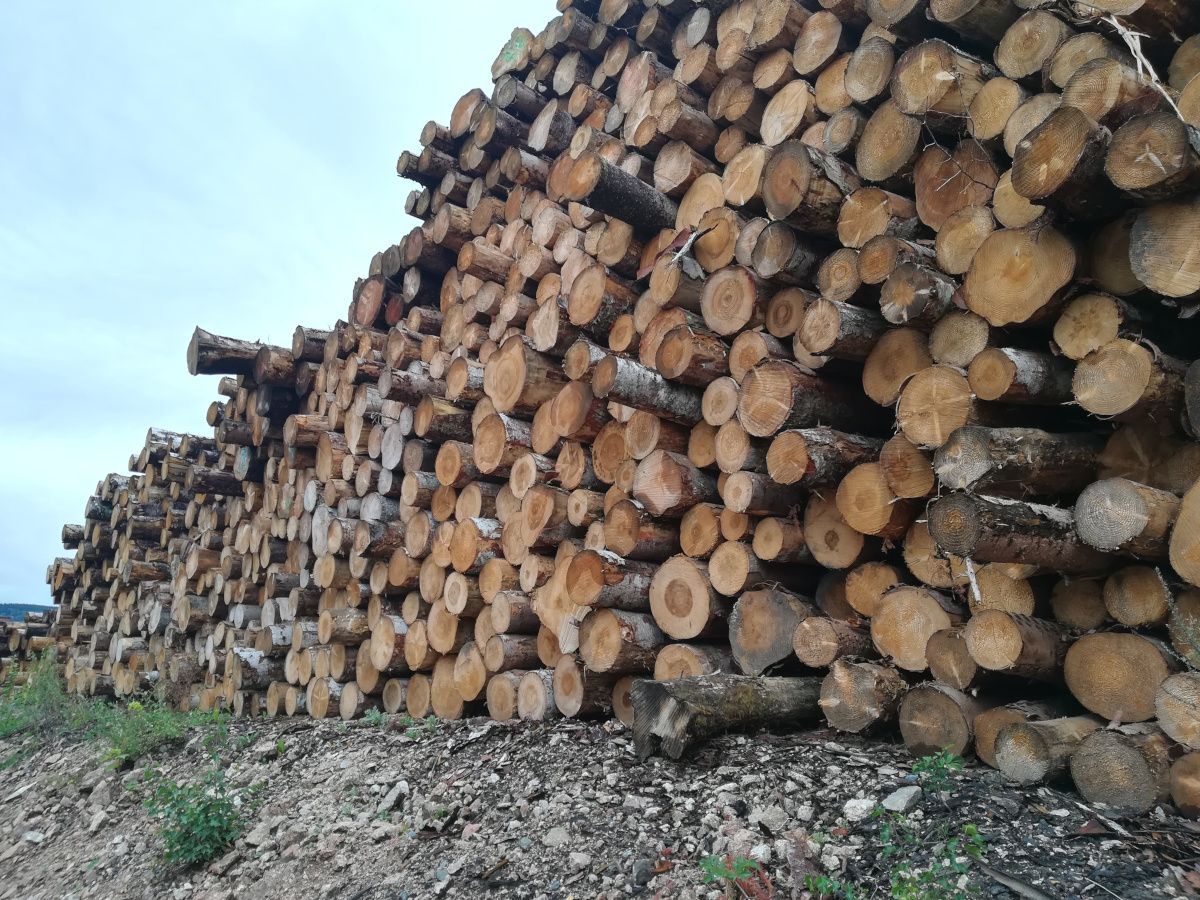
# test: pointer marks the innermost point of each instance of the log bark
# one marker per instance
(1023, 461)
(671, 716)
(1016, 644)
(993, 529)
(607, 188)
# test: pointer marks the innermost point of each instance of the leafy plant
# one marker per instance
(280, 747)
(942, 878)
(739, 873)
(199, 820)
(934, 772)
(828, 886)
(375, 717)
(921, 864)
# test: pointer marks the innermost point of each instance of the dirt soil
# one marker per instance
(514, 810)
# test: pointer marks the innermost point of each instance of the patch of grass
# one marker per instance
(15, 758)
(133, 730)
(739, 874)
(42, 707)
(200, 819)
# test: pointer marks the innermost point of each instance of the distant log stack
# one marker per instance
(706, 306)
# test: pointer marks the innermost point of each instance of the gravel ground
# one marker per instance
(487, 809)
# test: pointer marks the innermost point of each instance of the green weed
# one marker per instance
(415, 729)
(923, 861)
(738, 873)
(199, 820)
(934, 772)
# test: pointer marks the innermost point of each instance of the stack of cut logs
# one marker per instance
(844, 343)
(21, 643)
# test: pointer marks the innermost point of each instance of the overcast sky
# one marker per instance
(162, 166)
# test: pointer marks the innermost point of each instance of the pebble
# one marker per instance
(902, 799)
(556, 837)
(858, 809)
(643, 871)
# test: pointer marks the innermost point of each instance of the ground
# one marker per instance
(488, 809)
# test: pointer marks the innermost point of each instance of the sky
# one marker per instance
(162, 166)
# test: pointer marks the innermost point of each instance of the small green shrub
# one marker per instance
(15, 758)
(934, 772)
(415, 729)
(927, 864)
(375, 717)
(199, 820)
(939, 879)
(741, 874)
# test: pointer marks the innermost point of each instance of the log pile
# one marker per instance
(843, 340)
(23, 642)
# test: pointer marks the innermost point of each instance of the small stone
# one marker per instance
(97, 820)
(556, 837)
(259, 834)
(902, 799)
(643, 871)
(33, 837)
(772, 818)
(579, 860)
(102, 794)
(858, 809)
(388, 802)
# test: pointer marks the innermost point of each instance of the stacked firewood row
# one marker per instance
(848, 342)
